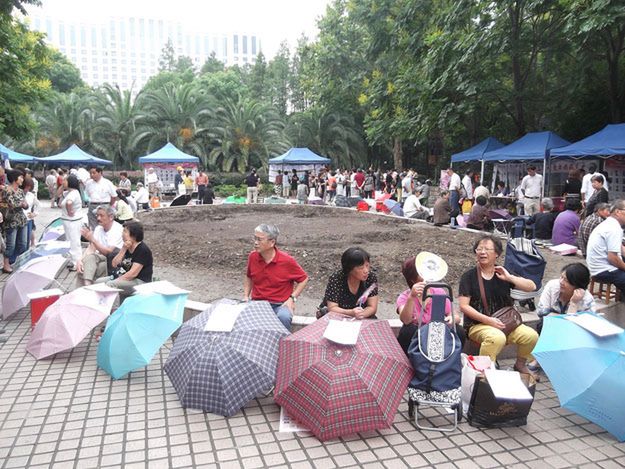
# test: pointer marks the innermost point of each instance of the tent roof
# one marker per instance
(299, 156)
(15, 156)
(74, 155)
(476, 153)
(532, 146)
(607, 142)
(168, 154)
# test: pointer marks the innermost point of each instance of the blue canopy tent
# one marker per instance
(607, 142)
(168, 154)
(74, 155)
(296, 158)
(16, 157)
(476, 153)
(532, 146)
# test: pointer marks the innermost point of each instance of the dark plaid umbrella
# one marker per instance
(220, 372)
(335, 389)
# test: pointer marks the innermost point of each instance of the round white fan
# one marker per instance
(430, 267)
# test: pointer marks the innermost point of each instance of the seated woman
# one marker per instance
(123, 212)
(566, 224)
(479, 219)
(481, 327)
(346, 286)
(410, 308)
(133, 263)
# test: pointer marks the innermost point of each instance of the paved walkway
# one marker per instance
(65, 412)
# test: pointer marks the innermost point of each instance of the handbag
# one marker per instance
(510, 317)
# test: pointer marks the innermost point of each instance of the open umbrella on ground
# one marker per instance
(138, 329)
(70, 319)
(232, 199)
(53, 231)
(33, 276)
(586, 371)
(335, 389)
(181, 200)
(47, 248)
(394, 207)
(379, 202)
(220, 372)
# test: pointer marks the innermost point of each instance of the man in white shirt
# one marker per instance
(340, 183)
(100, 191)
(104, 242)
(413, 207)
(467, 183)
(142, 197)
(587, 189)
(454, 191)
(604, 253)
(406, 185)
(531, 187)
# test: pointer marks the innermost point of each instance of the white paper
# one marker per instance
(101, 287)
(162, 287)
(594, 324)
(223, 317)
(342, 332)
(507, 385)
(564, 249)
(288, 425)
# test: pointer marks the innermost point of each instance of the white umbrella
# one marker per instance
(32, 277)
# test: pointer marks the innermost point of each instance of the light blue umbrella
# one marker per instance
(394, 207)
(586, 371)
(137, 330)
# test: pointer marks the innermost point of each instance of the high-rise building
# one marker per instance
(126, 50)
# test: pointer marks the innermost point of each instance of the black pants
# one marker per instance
(407, 332)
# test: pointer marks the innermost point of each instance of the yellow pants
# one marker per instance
(492, 340)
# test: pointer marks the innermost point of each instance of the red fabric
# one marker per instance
(273, 282)
(337, 390)
(360, 179)
(362, 206)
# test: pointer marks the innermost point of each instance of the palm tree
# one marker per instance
(331, 134)
(115, 114)
(179, 114)
(245, 134)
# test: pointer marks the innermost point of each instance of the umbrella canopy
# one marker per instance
(17, 157)
(48, 248)
(53, 231)
(297, 156)
(476, 153)
(335, 389)
(394, 207)
(137, 330)
(66, 322)
(220, 372)
(586, 371)
(32, 277)
(607, 142)
(168, 154)
(532, 146)
(74, 155)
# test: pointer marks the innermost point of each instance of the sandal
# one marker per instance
(7, 271)
(529, 372)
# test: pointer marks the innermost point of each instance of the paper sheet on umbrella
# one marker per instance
(288, 425)
(101, 287)
(342, 332)
(162, 287)
(223, 317)
(507, 384)
(595, 325)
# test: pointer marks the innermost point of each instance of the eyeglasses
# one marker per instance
(260, 240)
(478, 250)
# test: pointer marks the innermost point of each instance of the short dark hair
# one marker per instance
(135, 230)
(28, 184)
(577, 275)
(97, 168)
(481, 200)
(501, 184)
(409, 271)
(531, 167)
(73, 182)
(573, 204)
(601, 206)
(13, 174)
(353, 257)
(123, 173)
(488, 237)
(598, 178)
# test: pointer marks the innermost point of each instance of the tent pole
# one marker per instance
(544, 175)
(482, 173)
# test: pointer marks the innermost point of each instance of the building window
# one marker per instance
(225, 44)
(72, 36)
(254, 46)
(62, 34)
(235, 44)
(244, 44)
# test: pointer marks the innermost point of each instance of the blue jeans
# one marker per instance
(284, 314)
(16, 239)
(454, 199)
(616, 278)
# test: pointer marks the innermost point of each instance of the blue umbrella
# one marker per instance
(137, 330)
(394, 207)
(586, 371)
(49, 248)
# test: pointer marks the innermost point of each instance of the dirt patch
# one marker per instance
(205, 248)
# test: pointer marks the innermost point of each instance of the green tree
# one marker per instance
(64, 76)
(167, 60)
(257, 78)
(278, 78)
(212, 65)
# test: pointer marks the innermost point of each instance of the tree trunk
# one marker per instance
(515, 13)
(398, 154)
(615, 49)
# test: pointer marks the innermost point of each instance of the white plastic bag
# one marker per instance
(470, 369)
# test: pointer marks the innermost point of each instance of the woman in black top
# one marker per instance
(346, 286)
(599, 196)
(573, 185)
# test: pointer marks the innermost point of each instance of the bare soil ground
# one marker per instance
(205, 248)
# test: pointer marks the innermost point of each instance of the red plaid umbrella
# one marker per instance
(335, 389)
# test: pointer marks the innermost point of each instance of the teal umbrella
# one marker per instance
(137, 330)
(586, 371)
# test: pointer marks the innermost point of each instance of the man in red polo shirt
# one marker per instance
(272, 275)
(360, 182)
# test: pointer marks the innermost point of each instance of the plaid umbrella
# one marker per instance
(335, 389)
(220, 372)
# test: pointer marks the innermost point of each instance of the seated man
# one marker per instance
(105, 241)
(604, 253)
(479, 218)
(272, 275)
(602, 211)
(413, 207)
(543, 221)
